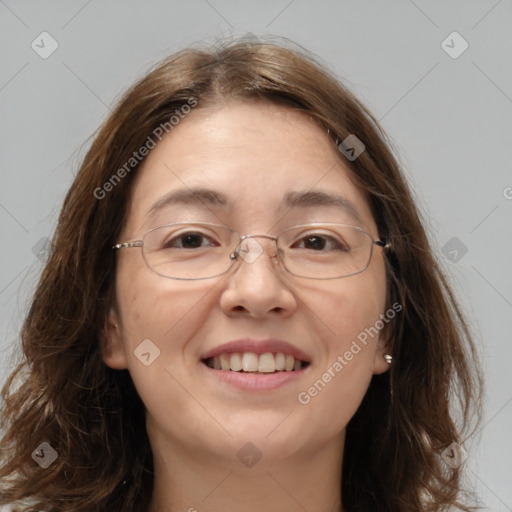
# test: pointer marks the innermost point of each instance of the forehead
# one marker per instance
(246, 163)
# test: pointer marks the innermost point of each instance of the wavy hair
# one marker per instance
(62, 392)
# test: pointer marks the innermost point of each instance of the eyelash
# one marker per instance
(327, 238)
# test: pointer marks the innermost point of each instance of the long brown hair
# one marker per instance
(62, 393)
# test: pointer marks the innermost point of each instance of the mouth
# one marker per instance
(251, 362)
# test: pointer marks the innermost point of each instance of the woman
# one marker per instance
(240, 310)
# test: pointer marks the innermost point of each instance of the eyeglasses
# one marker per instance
(193, 251)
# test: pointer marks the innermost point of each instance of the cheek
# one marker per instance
(170, 315)
(164, 310)
(159, 317)
(349, 308)
(349, 313)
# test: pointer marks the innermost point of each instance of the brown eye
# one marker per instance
(189, 240)
(317, 242)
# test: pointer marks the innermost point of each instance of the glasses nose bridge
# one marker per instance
(239, 248)
(243, 237)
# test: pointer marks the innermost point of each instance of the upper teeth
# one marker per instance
(251, 362)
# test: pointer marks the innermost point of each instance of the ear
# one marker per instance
(112, 346)
(380, 365)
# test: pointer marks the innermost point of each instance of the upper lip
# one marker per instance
(258, 347)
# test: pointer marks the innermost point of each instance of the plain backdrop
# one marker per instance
(436, 74)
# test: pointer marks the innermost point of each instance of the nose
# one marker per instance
(257, 286)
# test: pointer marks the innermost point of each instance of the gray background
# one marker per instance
(450, 118)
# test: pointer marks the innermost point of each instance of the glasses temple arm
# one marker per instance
(136, 243)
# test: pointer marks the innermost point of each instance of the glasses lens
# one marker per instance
(189, 251)
(325, 251)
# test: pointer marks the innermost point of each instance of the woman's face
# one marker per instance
(253, 155)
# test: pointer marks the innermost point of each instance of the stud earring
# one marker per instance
(388, 358)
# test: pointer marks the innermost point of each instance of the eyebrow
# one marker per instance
(196, 196)
(315, 198)
(205, 198)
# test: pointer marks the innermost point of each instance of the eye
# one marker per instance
(188, 240)
(318, 242)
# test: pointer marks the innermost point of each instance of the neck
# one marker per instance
(188, 481)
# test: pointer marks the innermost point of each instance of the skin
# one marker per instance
(254, 153)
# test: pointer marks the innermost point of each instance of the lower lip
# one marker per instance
(247, 381)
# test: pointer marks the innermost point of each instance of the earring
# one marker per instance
(388, 358)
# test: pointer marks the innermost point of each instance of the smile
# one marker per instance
(250, 362)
